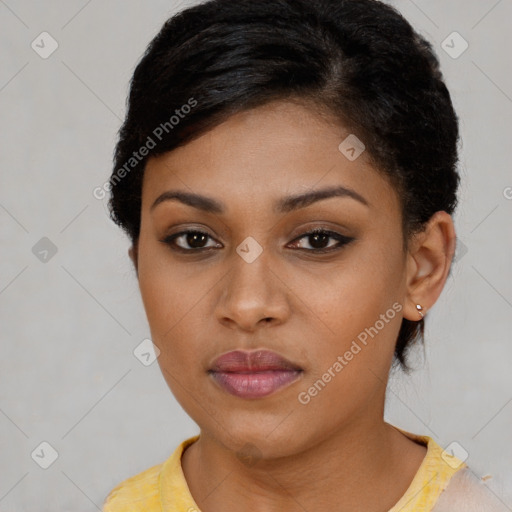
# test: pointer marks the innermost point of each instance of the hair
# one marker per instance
(358, 61)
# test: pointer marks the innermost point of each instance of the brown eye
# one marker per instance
(195, 240)
(319, 240)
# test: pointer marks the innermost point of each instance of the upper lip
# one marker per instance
(251, 361)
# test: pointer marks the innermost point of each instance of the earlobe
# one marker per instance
(429, 262)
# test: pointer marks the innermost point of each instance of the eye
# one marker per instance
(195, 240)
(319, 240)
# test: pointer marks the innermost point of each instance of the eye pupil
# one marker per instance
(192, 238)
(316, 237)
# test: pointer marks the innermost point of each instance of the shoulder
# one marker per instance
(468, 493)
(144, 492)
(444, 483)
(137, 493)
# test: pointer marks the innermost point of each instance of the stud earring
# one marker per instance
(420, 309)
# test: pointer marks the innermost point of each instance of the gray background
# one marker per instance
(69, 325)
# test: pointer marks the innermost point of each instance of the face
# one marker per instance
(255, 277)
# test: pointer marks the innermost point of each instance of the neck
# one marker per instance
(365, 466)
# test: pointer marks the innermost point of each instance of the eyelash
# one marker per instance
(342, 241)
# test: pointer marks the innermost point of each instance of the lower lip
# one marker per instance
(255, 385)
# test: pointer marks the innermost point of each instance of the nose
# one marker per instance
(254, 295)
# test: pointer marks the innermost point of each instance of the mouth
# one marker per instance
(253, 374)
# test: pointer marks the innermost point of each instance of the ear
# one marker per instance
(133, 254)
(428, 264)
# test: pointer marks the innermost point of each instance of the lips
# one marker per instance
(249, 362)
(253, 374)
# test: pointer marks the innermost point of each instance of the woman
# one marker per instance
(287, 174)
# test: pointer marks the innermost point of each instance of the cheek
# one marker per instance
(349, 367)
(164, 294)
(177, 300)
(351, 296)
(355, 313)
(166, 291)
(172, 304)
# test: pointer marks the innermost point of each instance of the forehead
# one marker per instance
(260, 155)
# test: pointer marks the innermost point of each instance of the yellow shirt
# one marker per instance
(163, 488)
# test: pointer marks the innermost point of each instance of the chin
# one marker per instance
(260, 439)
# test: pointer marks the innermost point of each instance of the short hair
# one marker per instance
(358, 61)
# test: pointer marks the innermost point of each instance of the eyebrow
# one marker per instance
(283, 205)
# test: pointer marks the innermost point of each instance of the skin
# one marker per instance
(336, 451)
